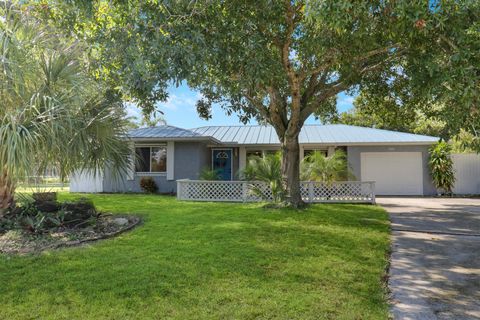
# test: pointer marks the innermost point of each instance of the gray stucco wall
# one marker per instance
(190, 159)
(353, 153)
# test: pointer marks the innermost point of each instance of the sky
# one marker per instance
(179, 110)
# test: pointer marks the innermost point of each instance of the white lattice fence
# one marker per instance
(242, 191)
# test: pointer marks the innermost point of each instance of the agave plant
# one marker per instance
(441, 167)
(52, 112)
(266, 169)
(318, 167)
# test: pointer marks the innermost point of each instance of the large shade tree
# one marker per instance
(276, 61)
(51, 112)
(437, 93)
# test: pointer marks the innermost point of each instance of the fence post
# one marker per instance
(179, 190)
(311, 192)
(372, 190)
(244, 191)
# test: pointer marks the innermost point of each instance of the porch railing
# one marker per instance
(241, 191)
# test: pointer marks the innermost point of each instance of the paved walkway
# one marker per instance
(435, 262)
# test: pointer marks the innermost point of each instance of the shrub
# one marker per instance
(148, 185)
(266, 169)
(318, 167)
(209, 174)
(27, 215)
(76, 213)
(441, 167)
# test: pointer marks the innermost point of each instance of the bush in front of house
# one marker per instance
(266, 169)
(209, 174)
(328, 169)
(148, 185)
(441, 167)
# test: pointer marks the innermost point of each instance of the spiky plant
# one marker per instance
(52, 112)
(318, 167)
(266, 169)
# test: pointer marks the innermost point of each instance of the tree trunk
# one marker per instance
(7, 192)
(291, 170)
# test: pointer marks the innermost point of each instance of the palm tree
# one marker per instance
(318, 167)
(52, 112)
(266, 169)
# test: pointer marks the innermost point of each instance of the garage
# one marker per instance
(394, 173)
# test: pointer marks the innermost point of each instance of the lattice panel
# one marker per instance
(213, 191)
(338, 192)
(349, 191)
(264, 189)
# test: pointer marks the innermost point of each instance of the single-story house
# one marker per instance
(396, 161)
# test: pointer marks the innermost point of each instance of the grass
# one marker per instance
(210, 261)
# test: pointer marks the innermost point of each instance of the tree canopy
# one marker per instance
(276, 61)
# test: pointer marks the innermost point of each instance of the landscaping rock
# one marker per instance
(120, 221)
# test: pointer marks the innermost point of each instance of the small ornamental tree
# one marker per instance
(278, 62)
(52, 112)
(441, 167)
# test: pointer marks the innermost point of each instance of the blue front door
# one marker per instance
(222, 162)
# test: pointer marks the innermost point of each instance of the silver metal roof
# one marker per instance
(335, 134)
(166, 133)
(313, 134)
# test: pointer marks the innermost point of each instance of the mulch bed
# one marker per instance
(20, 242)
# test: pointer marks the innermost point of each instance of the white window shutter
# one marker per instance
(170, 160)
(131, 166)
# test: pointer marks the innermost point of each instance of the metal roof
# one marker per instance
(335, 134)
(166, 133)
(314, 134)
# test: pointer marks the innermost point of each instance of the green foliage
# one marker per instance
(148, 185)
(441, 167)
(439, 81)
(275, 61)
(465, 142)
(266, 169)
(209, 174)
(318, 167)
(29, 216)
(390, 113)
(53, 112)
(253, 263)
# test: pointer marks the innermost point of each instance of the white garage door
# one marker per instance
(394, 173)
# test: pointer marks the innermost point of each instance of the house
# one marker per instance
(396, 161)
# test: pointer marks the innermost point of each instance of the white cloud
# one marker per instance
(132, 110)
(180, 102)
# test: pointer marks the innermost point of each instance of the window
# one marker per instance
(151, 159)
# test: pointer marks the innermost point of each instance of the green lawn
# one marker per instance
(210, 261)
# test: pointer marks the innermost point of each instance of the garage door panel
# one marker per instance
(394, 173)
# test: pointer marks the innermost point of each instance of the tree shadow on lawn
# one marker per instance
(192, 254)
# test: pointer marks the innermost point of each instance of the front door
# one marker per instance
(222, 162)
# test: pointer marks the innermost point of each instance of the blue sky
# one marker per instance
(179, 109)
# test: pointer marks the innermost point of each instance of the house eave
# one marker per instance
(182, 139)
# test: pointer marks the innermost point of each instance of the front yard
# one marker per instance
(210, 261)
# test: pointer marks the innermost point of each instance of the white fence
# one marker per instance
(467, 173)
(241, 191)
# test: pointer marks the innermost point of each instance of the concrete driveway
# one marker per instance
(435, 262)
